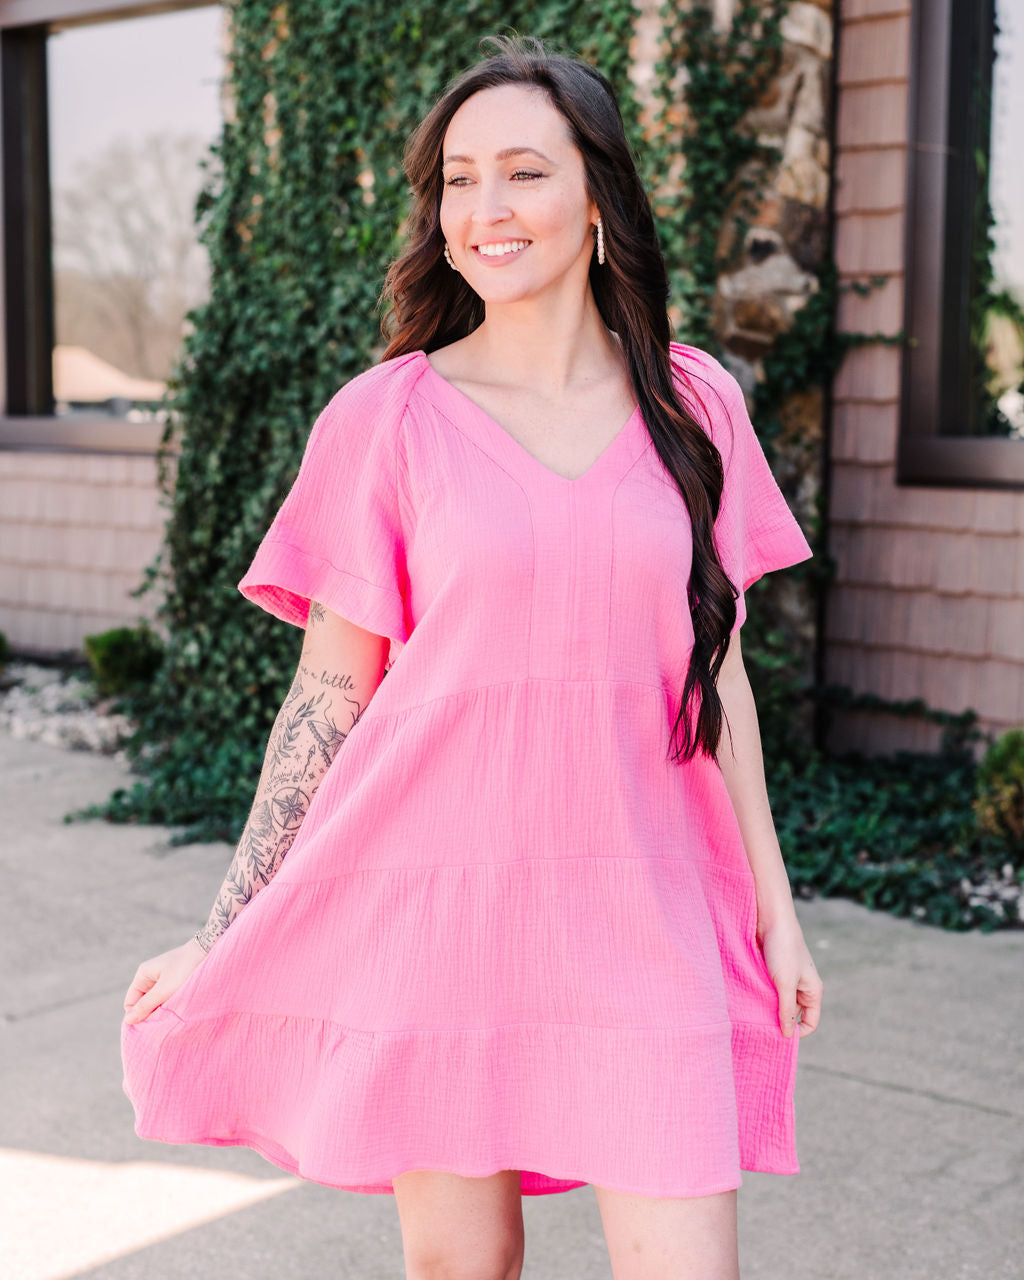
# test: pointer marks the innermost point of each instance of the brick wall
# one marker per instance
(928, 599)
(76, 531)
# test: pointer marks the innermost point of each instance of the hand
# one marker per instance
(795, 977)
(157, 980)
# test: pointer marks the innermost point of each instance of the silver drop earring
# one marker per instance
(600, 240)
(448, 257)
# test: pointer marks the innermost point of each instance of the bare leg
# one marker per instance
(670, 1239)
(456, 1228)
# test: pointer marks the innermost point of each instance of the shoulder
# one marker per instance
(695, 367)
(714, 397)
(370, 407)
(387, 385)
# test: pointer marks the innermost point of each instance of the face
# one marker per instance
(535, 200)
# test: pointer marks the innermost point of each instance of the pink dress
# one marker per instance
(510, 934)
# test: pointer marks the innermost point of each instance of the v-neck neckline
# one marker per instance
(448, 396)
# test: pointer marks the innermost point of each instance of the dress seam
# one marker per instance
(450, 417)
(447, 1031)
(345, 573)
(573, 571)
(648, 444)
(512, 862)
(500, 684)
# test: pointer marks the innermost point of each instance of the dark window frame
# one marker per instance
(940, 195)
(27, 420)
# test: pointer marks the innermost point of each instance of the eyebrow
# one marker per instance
(500, 155)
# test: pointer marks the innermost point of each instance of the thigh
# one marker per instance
(455, 1226)
(650, 1238)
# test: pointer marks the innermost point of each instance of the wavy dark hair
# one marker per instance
(431, 306)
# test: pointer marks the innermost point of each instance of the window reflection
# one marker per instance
(997, 313)
(134, 106)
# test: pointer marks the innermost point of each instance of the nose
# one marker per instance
(491, 205)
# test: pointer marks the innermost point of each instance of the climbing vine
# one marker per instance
(708, 82)
(708, 167)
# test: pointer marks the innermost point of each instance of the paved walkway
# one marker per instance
(910, 1097)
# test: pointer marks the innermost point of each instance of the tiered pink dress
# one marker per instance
(511, 934)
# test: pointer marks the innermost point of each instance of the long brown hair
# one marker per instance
(431, 306)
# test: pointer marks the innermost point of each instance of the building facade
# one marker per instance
(874, 112)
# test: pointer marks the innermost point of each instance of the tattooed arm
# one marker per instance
(340, 668)
(335, 679)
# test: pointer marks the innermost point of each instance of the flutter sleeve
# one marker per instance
(755, 532)
(337, 537)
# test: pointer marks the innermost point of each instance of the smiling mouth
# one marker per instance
(502, 249)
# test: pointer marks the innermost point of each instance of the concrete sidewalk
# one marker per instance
(910, 1097)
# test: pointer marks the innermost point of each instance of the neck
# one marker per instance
(552, 347)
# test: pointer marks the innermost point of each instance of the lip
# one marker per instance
(498, 261)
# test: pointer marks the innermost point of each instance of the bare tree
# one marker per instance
(127, 262)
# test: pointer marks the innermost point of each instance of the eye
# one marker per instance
(457, 181)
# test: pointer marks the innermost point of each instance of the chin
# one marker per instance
(500, 297)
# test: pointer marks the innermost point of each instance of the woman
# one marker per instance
(534, 929)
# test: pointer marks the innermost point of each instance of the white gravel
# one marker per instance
(59, 707)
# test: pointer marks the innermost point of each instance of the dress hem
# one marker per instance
(278, 1156)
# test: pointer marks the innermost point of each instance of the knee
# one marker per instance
(503, 1260)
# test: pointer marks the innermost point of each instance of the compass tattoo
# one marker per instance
(314, 720)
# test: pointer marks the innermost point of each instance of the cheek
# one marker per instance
(446, 218)
(561, 217)
(452, 212)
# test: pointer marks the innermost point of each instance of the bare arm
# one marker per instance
(340, 668)
(778, 931)
(742, 765)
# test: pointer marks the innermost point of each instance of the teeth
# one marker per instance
(496, 250)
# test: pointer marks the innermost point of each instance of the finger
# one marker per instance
(808, 1023)
(141, 983)
(808, 1019)
(787, 1007)
(136, 990)
(810, 1002)
(145, 1005)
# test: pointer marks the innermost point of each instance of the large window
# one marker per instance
(963, 388)
(107, 118)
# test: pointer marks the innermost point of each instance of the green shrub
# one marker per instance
(123, 658)
(895, 833)
(5, 650)
(999, 793)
